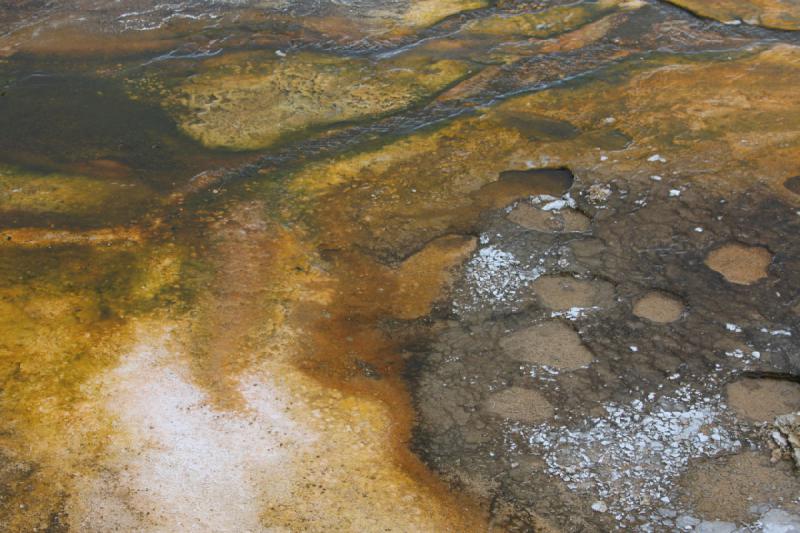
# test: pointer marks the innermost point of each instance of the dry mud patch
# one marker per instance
(739, 263)
(762, 400)
(740, 487)
(658, 307)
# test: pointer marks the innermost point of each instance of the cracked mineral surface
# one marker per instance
(400, 265)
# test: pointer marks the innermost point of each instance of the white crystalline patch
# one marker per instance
(655, 178)
(656, 157)
(494, 276)
(733, 327)
(551, 203)
(715, 526)
(555, 205)
(186, 465)
(573, 313)
(541, 198)
(599, 193)
(741, 354)
(674, 193)
(777, 332)
(630, 457)
(779, 521)
(779, 439)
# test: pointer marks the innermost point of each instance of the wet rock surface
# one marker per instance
(253, 101)
(769, 13)
(399, 266)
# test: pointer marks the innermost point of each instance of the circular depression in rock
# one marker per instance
(658, 307)
(566, 220)
(762, 399)
(739, 263)
(793, 184)
(552, 343)
(517, 403)
(561, 293)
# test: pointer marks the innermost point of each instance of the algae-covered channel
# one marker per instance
(399, 265)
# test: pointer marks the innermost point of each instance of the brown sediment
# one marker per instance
(561, 293)
(422, 278)
(727, 488)
(552, 343)
(762, 399)
(515, 184)
(739, 263)
(365, 292)
(524, 405)
(564, 220)
(275, 301)
(658, 307)
(243, 308)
